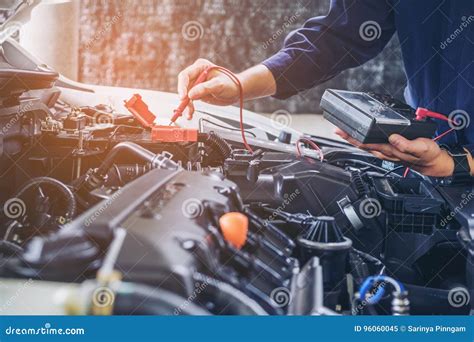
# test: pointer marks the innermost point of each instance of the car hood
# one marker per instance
(20, 14)
(161, 103)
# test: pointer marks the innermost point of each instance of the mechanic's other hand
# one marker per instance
(422, 154)
(217, 89)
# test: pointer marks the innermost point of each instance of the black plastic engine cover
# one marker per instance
(172, 226)
(168, 230)
(293, 185)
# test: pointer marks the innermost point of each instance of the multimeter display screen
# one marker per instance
(373, 108)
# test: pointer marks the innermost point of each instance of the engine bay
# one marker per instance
(201, 227)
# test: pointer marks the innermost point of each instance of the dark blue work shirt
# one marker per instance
(437, 42)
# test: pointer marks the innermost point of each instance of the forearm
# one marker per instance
(257, 82)
(327, 45)
(445, 164)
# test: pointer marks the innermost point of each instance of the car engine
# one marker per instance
(129, 225)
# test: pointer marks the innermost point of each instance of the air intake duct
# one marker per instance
(325, 240)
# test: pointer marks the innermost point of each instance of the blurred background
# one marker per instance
(145, 43)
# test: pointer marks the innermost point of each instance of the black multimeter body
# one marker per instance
(372, 118)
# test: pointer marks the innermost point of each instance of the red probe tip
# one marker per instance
(178, 112)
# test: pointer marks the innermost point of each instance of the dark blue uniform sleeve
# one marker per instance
(353, 32)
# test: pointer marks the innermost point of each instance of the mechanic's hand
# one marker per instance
(422, 155)
(218, 89)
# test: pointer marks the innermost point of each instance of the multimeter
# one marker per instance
(372, 118)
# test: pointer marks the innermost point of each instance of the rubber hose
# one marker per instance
(219, 144)
(65, 191)
(137, 151)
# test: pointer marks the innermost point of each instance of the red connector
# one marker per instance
(140, 111)
(173, 134)
(159, 133)
(422, 113)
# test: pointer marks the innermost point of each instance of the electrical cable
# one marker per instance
(443, 134)
(237, 82)
(312, 144)
(393, 170)
(228, 128)
(361, 162)
(407, 170)
(368, 284)
(117, 129)
(422, 113)
(119, 174)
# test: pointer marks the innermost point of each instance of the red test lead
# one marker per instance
(178, 112)
(422, 113)
(202, 77)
